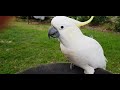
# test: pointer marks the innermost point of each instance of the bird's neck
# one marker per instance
(72, 37)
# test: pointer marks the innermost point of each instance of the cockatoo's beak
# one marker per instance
(53, 32)
(79, 24)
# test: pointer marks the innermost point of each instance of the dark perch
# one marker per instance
(59, 68)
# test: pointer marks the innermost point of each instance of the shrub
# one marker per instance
(80, 18)
(117, 24)
(96, 21)
(99, 20)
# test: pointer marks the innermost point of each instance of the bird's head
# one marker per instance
(62, 25)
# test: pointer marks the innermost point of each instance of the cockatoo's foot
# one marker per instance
(71, 66)
(89, 70)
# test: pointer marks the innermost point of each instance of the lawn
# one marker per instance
(25, 45)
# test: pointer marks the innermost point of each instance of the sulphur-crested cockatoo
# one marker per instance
(81, 50)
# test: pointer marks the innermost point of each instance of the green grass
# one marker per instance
(24, 45)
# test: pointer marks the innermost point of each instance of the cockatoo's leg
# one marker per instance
(88, 69)
(71, 66)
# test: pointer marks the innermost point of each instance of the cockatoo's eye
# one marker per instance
(62, 27)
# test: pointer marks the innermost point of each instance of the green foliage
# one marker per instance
(80, 18)
(99, 20)
(96, 21)
(117, 24)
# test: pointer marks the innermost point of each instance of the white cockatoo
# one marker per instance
(81, 50)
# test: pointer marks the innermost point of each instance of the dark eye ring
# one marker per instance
(62, 27)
